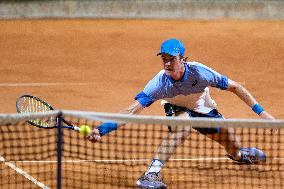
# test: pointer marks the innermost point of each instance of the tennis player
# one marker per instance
(184, 87)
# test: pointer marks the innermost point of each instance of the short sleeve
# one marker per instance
(210, 77)
(152, 92)
(223, 83)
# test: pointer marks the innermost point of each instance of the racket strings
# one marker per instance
(32, 105)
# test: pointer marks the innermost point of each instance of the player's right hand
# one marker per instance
(94, 136)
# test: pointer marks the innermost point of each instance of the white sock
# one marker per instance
(155, 166)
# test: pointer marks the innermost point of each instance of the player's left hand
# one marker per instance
(94, 136)
(265, 115)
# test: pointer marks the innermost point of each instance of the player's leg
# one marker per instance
(225, 137)
(175, 138)
(231, 142)
(152, 177)
(228, 139)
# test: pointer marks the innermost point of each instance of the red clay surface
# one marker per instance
(100, 65)
(116, 58)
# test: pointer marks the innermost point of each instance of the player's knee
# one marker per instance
(172, 129)
(179, 129)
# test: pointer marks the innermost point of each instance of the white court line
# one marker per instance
(39, 84)
(131, 160)
(24, 173)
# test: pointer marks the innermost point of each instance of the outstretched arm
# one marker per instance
(134, 108)
(245, 96)
(107, 127)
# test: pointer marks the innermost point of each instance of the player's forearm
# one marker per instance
(110, 126)
(242, 93)
(134, 108)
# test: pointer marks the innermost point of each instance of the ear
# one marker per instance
(185, 58)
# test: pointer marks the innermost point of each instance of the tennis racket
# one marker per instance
(32, 104)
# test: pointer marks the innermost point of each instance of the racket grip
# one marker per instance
(71, 126)
(76, 128)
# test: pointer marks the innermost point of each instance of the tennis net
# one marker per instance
(32, 157)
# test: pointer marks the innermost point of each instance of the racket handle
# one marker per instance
(70, 126)
(76, 128)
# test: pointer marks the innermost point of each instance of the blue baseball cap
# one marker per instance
(172, 47)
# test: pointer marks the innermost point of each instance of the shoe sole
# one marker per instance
(140, 185)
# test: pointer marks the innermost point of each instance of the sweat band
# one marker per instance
(257, 109)
(143, 99)
(107, 127)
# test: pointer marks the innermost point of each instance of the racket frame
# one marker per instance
(67, 126)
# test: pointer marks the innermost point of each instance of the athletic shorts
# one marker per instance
(171, 109)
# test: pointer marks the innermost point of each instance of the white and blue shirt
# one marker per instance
(191, 91)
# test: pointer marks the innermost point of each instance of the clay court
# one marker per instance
(100, 65)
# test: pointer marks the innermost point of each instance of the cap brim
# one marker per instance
(171, 54)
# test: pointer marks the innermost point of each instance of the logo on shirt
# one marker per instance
(194, 83)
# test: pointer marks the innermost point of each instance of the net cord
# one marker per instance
(175, 121)
(144, 119)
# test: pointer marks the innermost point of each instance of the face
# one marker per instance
(173, 65)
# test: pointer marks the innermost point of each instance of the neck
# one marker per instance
(179, 74)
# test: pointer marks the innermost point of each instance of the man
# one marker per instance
(184, 88)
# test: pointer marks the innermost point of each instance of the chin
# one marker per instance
(169, 73)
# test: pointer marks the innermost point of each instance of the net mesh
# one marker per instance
(29, 155)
